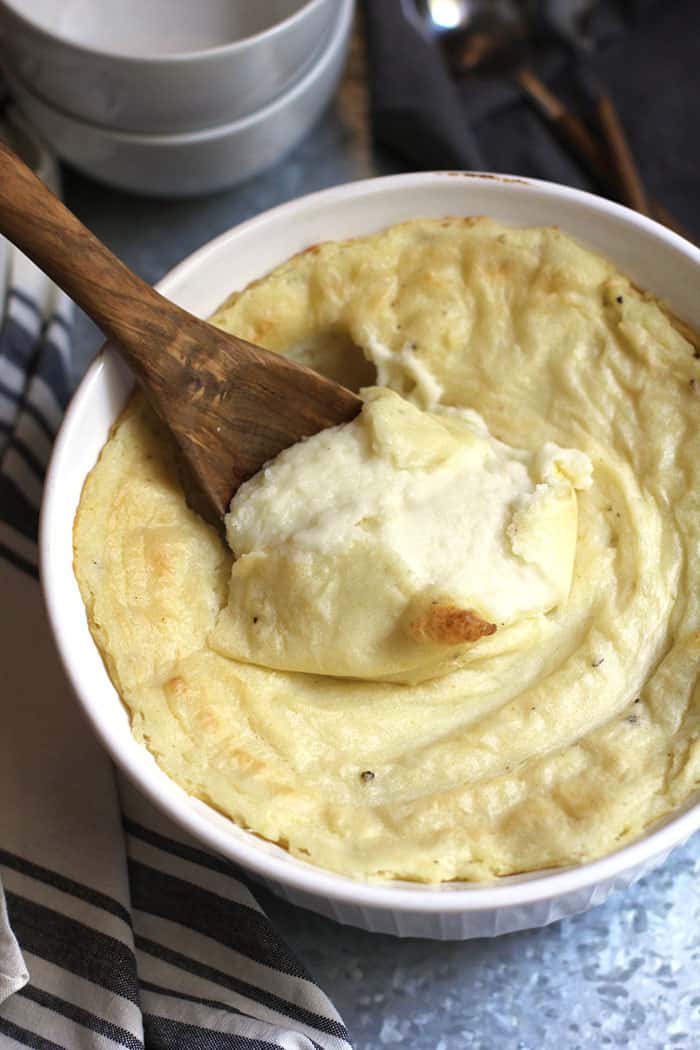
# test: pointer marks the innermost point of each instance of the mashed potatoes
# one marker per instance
(380, 549)
(461, 635)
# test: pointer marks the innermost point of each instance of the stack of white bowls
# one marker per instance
(173, 97)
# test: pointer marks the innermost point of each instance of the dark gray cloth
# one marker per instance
(646, 55)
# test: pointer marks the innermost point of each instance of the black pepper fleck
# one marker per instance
(620, 299)
(255, 619)
(367, 776)
(696, 354)
(597, 663)
(632, 719)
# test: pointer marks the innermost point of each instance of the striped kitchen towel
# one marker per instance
(115, 930)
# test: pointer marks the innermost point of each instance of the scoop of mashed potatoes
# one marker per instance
(459, 637)
(382, 548)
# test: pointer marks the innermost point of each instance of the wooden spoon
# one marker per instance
(230, 405)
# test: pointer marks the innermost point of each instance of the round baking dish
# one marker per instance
(655, 258)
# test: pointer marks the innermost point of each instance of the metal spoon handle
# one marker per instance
(587, 148)
(631, 188)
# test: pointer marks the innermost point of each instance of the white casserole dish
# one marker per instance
(655, 258)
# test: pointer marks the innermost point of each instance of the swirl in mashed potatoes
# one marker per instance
(458, 637)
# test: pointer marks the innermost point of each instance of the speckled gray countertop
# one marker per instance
(624, 975)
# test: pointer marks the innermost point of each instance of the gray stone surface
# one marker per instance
(624, 975)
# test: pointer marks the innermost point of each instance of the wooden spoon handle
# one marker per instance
(127, 309)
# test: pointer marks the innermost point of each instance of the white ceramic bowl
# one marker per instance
(656, 258)
(199, 161)
(162, 66)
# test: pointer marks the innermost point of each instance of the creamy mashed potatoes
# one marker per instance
(461, 635)
(380, 549)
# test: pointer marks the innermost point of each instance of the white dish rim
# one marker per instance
(446, 898)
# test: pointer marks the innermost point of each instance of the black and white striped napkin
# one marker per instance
(115, 930)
